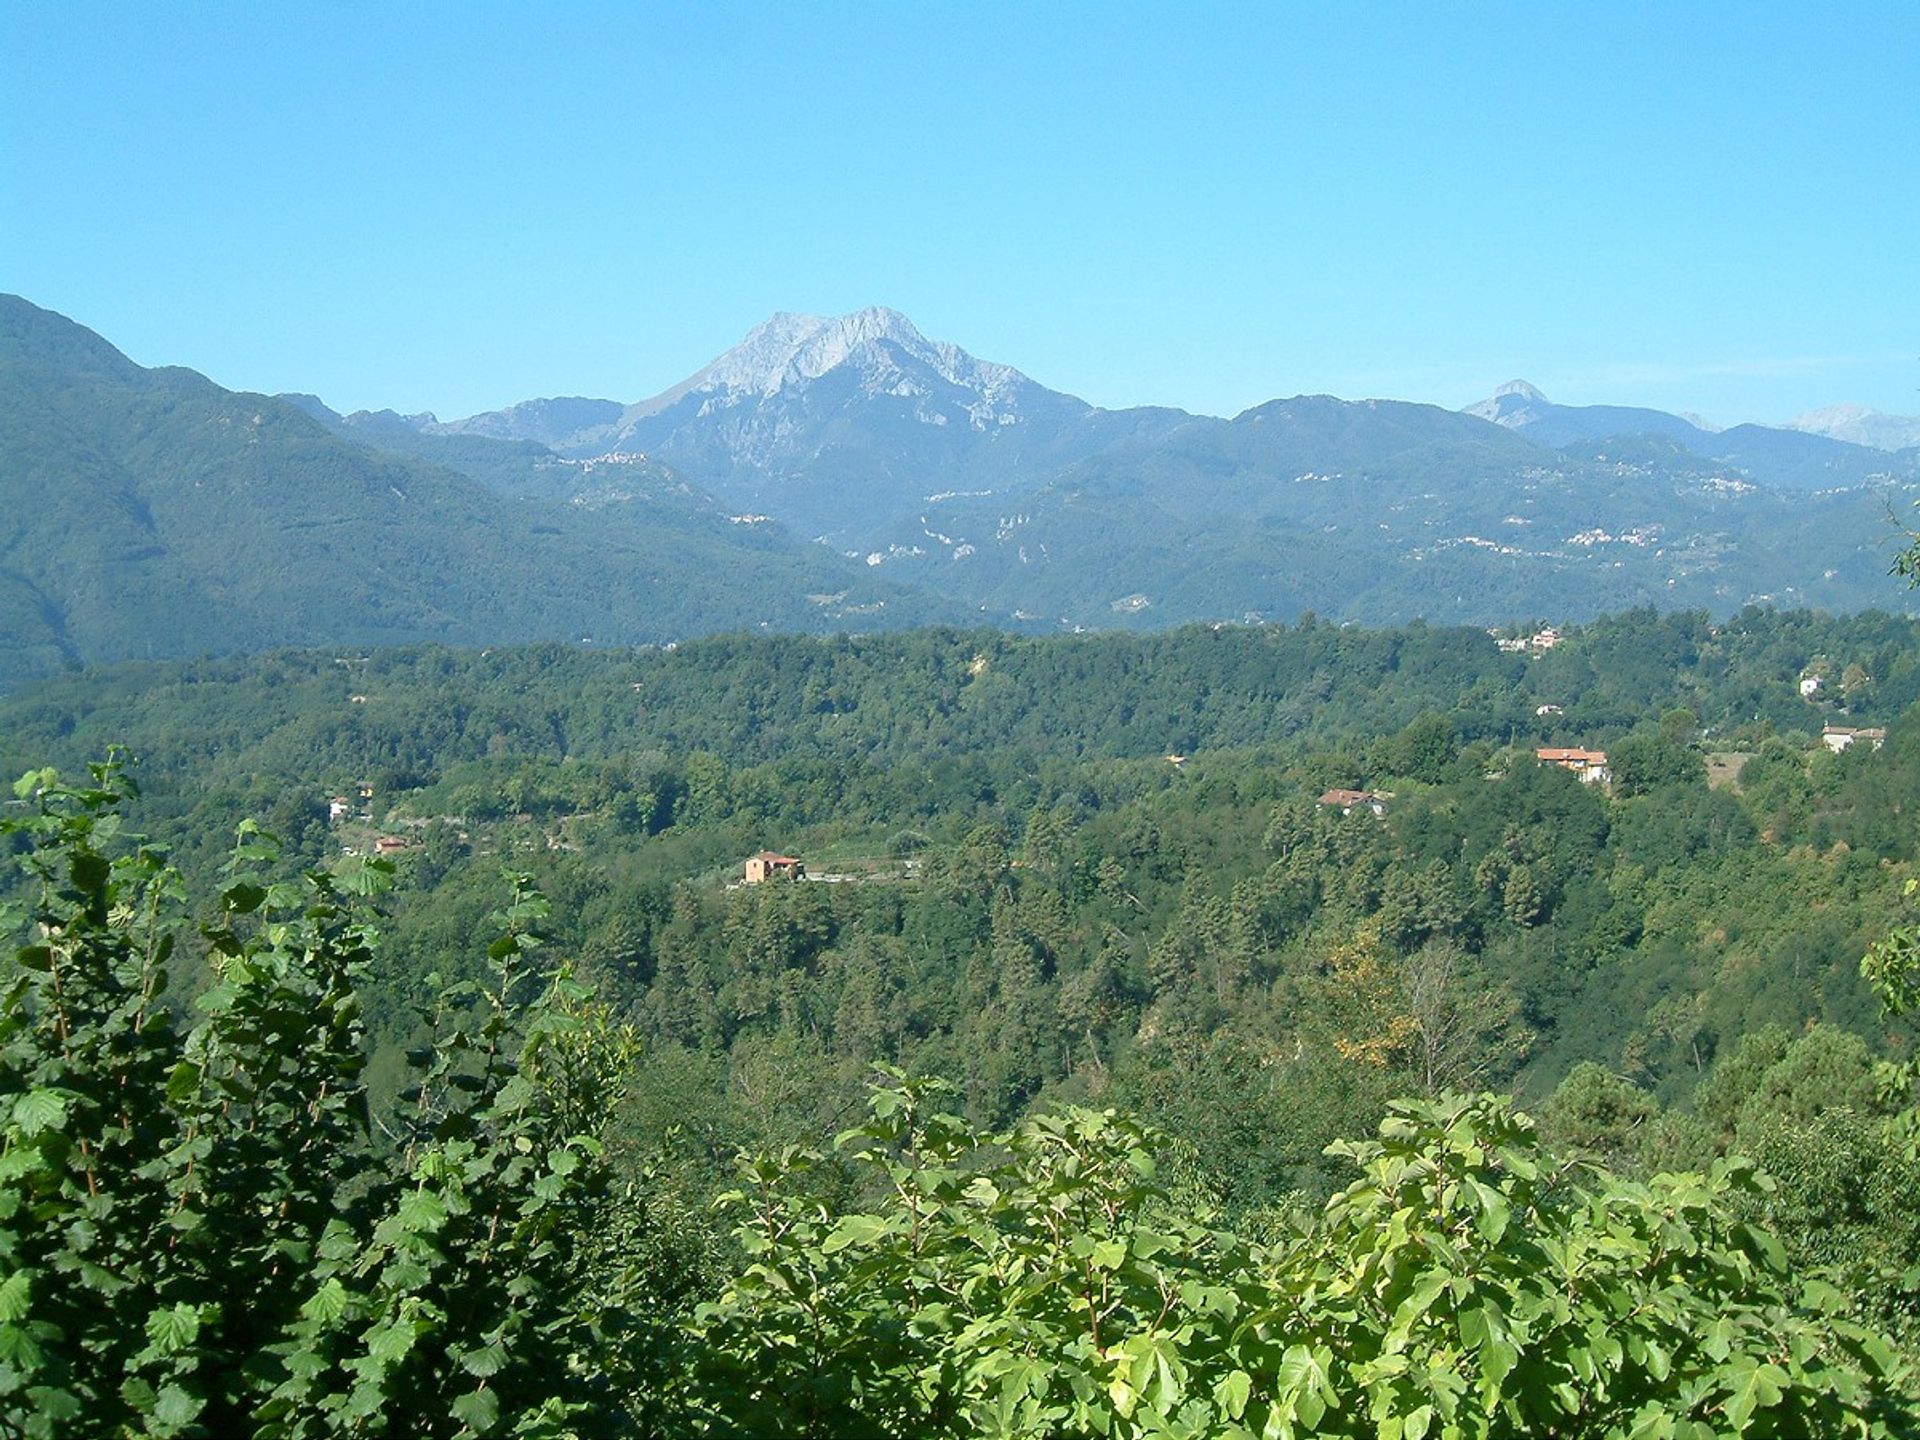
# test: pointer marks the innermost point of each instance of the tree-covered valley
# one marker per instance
(1224, 1031)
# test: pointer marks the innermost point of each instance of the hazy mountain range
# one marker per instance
(836, 424)
(151, 511)
(1861, 426)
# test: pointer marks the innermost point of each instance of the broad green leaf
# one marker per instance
(16, 1293)
(19, 1349)
(172, 1330)
(422, 1210)
(1232, 1393)
(1494, 1211)
(854, 1230)
(182, 1081)
(175, 1408)
(478, 1410)
(390, 1343)
(484, 1362)
(328, 1303)
(39, 1110)
(243, 897)
(1148, 1243)
(1752, 1386)
(1719, 1338)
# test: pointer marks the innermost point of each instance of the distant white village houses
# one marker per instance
(1543, 639)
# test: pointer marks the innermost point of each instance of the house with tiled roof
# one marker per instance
(1589, 765)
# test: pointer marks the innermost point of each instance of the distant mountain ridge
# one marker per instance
(548, 422)
(836, 424)
(1860, 426)
(790, 350)
(1520, 406)
(784, 353)
(1384, 511)
(808, 418)
(1799, 456)
(152, 511)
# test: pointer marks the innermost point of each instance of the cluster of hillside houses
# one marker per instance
(1589, 765)
(1541, 640)
(341, 808)
(1348, 801)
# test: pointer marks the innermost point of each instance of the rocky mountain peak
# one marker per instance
(1508, 405)
(1522, 389)
(789, 350)
(1859, 425)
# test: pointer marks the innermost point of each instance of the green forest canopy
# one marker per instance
(1158, 991)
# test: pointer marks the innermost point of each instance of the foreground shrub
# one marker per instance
(1037, 1282)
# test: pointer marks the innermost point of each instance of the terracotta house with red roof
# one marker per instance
(768, 865)
(1589, 765)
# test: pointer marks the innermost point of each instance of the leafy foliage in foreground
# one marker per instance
(198, 1233)
(1040, 1282)
(201, 1233)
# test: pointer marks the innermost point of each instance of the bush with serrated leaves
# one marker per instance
(200, 1234)
(1037, 1282)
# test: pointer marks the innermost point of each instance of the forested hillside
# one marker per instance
(1164, 917)
(149, 512)
(1381, 512)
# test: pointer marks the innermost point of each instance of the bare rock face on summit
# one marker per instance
(881, 346)
(1857, 425)
(835, 424)
(1520, 406)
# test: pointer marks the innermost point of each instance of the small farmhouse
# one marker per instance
(389, 845)
(1589, 765)
(769, 866)
(1350, 800)
(1838, 737)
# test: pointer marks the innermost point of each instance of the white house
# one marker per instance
(1838, 737)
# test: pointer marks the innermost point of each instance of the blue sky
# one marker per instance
(452, 207)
